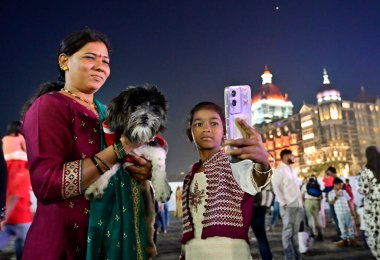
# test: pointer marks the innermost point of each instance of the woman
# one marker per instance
(18, 216)
(178, 202)
(218, 195)
(369, 186)
(62, 128)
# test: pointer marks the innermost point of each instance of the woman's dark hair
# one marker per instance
(14, 128)
(200, 106)
(70, 45)
(373, 161)
(75, 41)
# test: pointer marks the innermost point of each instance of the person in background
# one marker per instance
(339, 198)
(178, 202)
(287, 190)
(369, 186)
(67, 153)
(347, 187)
(261, 202)
(360, 212)
(166, 215)
(160, 218)
(312, 195)
(328, 180)
(275, 214)
(215, 188)
(18, 215)
(3, 183)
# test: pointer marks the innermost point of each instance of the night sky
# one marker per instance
(193, 49)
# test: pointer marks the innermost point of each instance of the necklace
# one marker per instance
(91, 104)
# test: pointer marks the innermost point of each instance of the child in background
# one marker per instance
(339, 198)
(328, 179)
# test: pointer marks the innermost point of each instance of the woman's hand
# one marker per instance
(127, 145)
(141, 170)
(250, 147)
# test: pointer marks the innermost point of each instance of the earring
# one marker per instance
(64, 68)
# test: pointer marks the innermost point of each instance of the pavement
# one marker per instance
(169, 245)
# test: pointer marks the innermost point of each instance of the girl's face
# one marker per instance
(88, 68)
(207, 130)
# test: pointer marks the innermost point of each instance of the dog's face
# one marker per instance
(138, 113)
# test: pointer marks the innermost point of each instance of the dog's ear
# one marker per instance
(161, 99)
(116, 110)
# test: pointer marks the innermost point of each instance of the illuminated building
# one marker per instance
(332, 132)
(282, 134)
(268, 103)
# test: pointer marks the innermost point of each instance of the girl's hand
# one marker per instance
(142, 170)
(250, 147)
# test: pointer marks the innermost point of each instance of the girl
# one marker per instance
(218, 195)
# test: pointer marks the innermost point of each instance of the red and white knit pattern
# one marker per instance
(186, 223)
(225, 196)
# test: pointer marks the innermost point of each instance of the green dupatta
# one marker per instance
(117, 228)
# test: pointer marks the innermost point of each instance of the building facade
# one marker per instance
(333, 132)
(268, 103)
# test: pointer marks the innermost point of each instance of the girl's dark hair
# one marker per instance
(373, 161)
(70, 45)
(14, 128)
(200, 106)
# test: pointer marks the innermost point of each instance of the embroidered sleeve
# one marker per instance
(242, 172)
(72, 179)
(47, 131)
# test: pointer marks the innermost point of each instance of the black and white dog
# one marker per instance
(139, 114)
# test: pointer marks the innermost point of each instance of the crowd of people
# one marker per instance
(218, 203)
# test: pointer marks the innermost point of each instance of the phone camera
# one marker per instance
(233, 93)
(233, 102)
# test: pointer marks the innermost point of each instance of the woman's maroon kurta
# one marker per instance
(59, 133)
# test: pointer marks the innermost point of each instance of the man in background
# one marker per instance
(287, 191)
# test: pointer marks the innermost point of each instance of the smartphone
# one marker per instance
(237, 104)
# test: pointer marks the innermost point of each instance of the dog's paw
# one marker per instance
(163, 190)
(94, 192)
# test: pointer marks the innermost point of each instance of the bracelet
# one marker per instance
(270, 167)
(260, 172)
(104, 164)
(120, 150)
(93, 160)
(116, 153)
